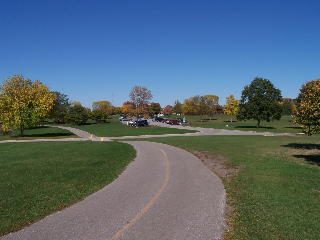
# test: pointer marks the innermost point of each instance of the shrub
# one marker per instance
(77, 115)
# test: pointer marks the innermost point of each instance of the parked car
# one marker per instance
(173, 122)
(138, 123)
(131, 123)
(142, 123)
(158, 119)
(124, 119)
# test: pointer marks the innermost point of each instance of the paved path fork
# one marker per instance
(166, 193)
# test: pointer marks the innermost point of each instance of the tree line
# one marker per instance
(25, 103)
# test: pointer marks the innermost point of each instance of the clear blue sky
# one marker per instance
(96, 50)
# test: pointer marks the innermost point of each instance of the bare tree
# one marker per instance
(140, 95)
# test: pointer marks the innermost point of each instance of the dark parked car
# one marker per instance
(139, 123)
(142, 123)
(158, 119)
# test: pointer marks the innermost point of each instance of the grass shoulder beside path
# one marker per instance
(275, 193)
(114, 128)
(37, 179)
(284, 125)
(39, 132)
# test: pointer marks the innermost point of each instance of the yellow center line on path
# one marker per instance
(150, 203)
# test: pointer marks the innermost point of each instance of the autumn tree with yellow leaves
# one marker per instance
(232, 106)
(24, 103)
(211, 103)
(101, 110)
(128, 108)
(307, 112)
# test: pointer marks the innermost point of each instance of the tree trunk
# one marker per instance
(309, 130)
(258, 124)
(21, 130)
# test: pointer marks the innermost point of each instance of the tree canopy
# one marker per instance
(191, 105)
(101, 110)
(308, 107)
(260, 101)
(168, 110)
(211, 102)
(60, 108)
(140, 95)
(24, 103)
(232, 106)
(177, 108)
(78, 114)
(288, 106)
(155, 108)
(128, 108)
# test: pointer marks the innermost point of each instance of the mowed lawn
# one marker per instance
(37, 179)
(284, 125)
(39, 132)
(114, 128)
(276, 192)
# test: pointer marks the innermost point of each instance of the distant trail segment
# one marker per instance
(166, 193)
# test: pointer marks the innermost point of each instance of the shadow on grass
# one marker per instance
(47, 135)
(40, 134)
(294, 127)
(312, 159)
(85, 124)
(210, 119)
(206, 120)
(254, 127)
(303, 146)
(38, 127)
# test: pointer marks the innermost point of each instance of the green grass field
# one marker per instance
(276, 193)
(37, 179)
(39, 132)
(114, 128)
(223, 122)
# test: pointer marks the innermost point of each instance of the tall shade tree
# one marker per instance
(260, 101)
(142, 110)
(155, 108)
(101, 110)
(288, 106)
(168, 110)
(177, 108)
(308, 107)
(140, 95)
(77, 114)
(191, 105)
(102, 105)
(24, 103)
(232, 106)
(60, 108)
(211, 103)
(203, 108)
(128, 108)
